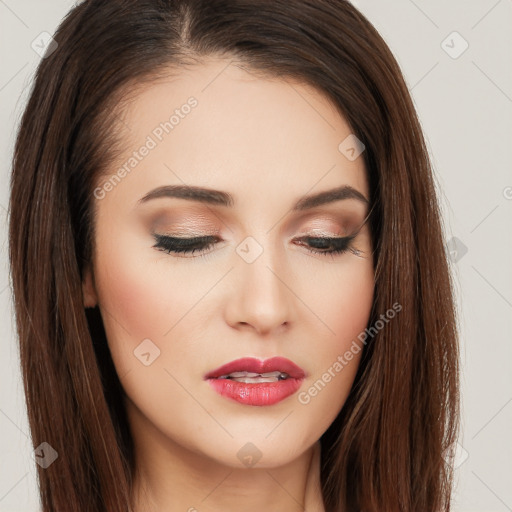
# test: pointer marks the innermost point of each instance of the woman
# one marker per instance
(230, 209)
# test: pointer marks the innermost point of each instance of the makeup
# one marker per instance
(251, 381)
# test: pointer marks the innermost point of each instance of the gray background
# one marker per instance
(464, 105)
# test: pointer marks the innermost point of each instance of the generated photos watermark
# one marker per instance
(343, 360)
(156, 136)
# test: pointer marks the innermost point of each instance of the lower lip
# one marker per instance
(262, 393)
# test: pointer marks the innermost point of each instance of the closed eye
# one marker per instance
(318, 245)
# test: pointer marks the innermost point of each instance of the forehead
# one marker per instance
(244, 133)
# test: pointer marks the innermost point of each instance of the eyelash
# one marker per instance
(178, 245)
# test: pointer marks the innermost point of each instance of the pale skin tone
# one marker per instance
(268, 143)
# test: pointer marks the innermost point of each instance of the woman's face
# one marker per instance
(257, 291)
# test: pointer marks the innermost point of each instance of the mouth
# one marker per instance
(254, 382)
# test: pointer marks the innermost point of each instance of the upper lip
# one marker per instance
(251, 364)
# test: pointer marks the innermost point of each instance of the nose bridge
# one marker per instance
(262, 296)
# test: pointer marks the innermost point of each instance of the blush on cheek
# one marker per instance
(358, 302)
(347, 312)
(128, 297)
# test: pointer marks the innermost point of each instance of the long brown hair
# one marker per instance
(385, 450)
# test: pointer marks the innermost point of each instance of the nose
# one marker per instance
(262, 300)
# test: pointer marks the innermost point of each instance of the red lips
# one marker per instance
(257, 393)
(251, 364)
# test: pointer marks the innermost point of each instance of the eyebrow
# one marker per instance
(220, 198)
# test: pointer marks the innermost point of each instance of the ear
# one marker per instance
(89, 289)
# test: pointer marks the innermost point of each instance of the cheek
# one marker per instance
(343, 301)
(138, 299)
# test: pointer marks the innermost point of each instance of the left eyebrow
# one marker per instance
(329, 196)
(220, 198)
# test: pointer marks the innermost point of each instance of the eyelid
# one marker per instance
(315, 233)
(181, 246)
(323, 234)
(324, 226)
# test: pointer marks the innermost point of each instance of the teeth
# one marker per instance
(243, 374)
(253, 378)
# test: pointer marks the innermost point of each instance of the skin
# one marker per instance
(271, 140)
